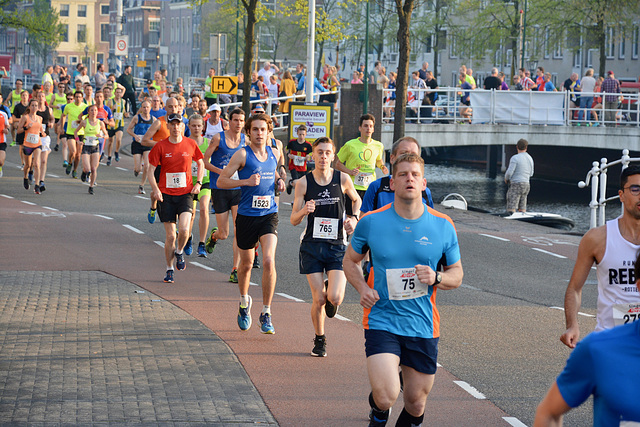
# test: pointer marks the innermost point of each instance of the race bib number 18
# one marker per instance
(403, 284)
(176, 180)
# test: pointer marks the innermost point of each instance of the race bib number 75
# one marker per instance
(403, 284)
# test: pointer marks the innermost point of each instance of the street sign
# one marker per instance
(122, 45)
(141, 64)
(224, 84)
(317, 117)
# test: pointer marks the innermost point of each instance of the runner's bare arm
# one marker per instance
(236, 163)
(551, 409)
(300, 209)
(80, 126)
(590, 250)
(342, 168)
(156, 194)
(451, 276)
(132, 125)
(213, 146)
(353, 272)
(147, 139)
(356, 202)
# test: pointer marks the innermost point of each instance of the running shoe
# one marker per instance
(141, 189)
(109, 161)
(210, 243)
(329, 309)
(136, 173)
(26, 183)
(180, 263)
(117, 156)
(319, 347)
(256, 261)
(233, 277)
(90, 190)
(74, 175)
(30, 177)
(101, 157)
(265, 324)
(289, 187)
(169, 277)
(151, 216)
(65, 164)
(36, 189)
(83, 176)
(13, 144)
(212, 210)
(377, 418)
(55, 148)
(202, 252)
(68, 168)
(244, 316)
(42, 188)
(188, 248)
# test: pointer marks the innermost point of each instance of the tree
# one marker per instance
(604, 19)
(404, 9)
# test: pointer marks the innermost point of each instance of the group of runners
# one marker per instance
(401, 250)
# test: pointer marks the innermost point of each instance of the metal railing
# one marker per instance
(597, 179)
(447, 108)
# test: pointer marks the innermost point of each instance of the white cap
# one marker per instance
(214, 107)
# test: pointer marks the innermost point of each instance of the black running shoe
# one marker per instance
(42, 186)
(36, 189)
(90, 190)
(319, 347)
(83, 176)
(256, 262)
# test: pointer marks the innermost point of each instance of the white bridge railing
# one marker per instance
(597, 179)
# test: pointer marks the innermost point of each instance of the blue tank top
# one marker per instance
(142, 126)
(258, 200)
(221, 157)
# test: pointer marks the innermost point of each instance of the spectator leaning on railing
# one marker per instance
(610, 86)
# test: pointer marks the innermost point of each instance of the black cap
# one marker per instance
(172, 117)
(149, 81)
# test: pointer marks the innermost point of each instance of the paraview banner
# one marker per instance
(317, 117)
(518, 107)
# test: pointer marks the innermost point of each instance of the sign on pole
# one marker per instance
(317, 117)
(224, 84)
(122, 45)
(141, 64)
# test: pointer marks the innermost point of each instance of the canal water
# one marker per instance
(490, 194)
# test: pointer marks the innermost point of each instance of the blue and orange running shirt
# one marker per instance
(406, 306)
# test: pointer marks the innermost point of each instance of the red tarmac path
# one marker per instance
(297, 388)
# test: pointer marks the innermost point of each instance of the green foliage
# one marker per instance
(40, 21)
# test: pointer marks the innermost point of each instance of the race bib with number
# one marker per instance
(325, 228)
(261, 202)
(626, 313)
(75, 124)
(403, 284)
(363, 179)
(194, 168)
(117, 116)
(176, 180)
(33, 138)
(90, 140)
(298, 160)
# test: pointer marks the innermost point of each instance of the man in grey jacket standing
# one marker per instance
(517, 177)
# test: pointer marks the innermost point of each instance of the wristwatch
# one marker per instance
(438, 278)
(198, 182)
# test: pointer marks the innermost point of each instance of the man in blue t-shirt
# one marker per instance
(605, 364)
(408, 242)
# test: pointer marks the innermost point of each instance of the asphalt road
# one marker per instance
(499, 330)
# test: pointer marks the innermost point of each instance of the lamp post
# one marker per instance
(523, 27)
(86, 58)
(365, 108)
(27, 51)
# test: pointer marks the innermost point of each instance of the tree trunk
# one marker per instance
(402, 81)
(601, 32)
(319, 64)
(249, 34)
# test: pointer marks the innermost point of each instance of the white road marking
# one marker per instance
(102, 216)
(253, 284)
(470, 389)
(141, 197)
(514, 421)
(289, 297)
(549, 253)
(495, 237)
(337, 316)
(197, 264)
(159, 243)
(438, 365)
(580, 313)
(132, 228)
(6, 197)
(470, 287)
(52, 175)
(51, 209)
(28, 203)
(122, 169)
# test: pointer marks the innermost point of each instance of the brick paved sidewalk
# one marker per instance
(87, 348)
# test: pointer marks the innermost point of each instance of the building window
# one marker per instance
(577, 58)
(61, 60)
(590, 58)
(65, 32)
(610, 44)
(453, 51)
(82, 33)
(104, 33)
(635, 43)
(73, 60)
(104, 9)
(546, 43)
(64, 10)
(82, 11)
(623, 47)
(100, 58)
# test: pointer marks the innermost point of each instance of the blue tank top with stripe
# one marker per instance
(221, 157)
(258, 200)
